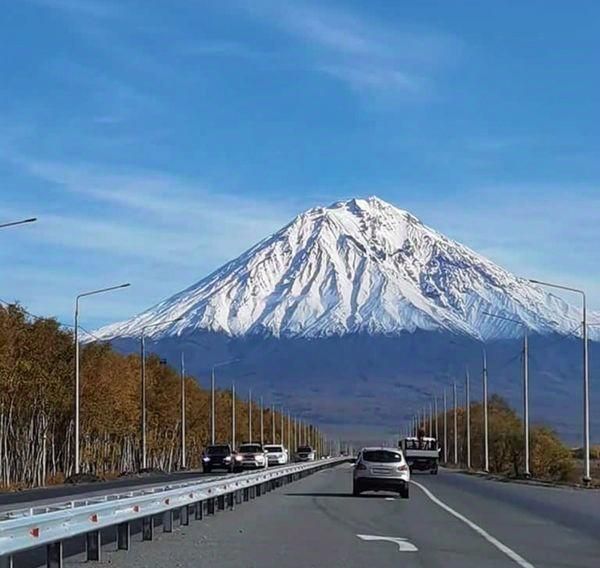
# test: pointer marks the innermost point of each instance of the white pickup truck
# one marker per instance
(421, 453)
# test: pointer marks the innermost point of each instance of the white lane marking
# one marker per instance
(403, 544)
(492, 540)
(390, 499)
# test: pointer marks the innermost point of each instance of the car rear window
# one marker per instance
(251, 449)
(381, 456)
(304, 449)
(217, 450)
(274, 448)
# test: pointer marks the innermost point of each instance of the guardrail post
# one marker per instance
(54, 555)
(147, 528)
(231, 500)
(238, 497)
(246, 494)
(168, 521)
(6, 561)
(123, 534)
(221, 502)
(93, 546)
(210, 504)
(184, 516)
(199, 512)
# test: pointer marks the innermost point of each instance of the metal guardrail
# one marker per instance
(25, 529)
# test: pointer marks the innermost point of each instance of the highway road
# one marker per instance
(450, 520)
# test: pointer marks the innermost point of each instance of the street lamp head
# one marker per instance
(22, 222)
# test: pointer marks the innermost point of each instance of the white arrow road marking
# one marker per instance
(403, 544)
(492, 540)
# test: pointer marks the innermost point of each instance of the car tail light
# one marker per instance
(403, 467)
(361, 466)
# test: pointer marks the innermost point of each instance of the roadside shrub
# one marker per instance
(550, 458)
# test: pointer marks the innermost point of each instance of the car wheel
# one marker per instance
(355, 490)
(433, 472)
(206, 469)
(404, 492)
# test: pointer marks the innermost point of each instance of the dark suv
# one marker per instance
(218, 456)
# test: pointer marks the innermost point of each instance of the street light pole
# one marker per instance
(262, 422)
(445, 429)
(183, 456)
(526, 471)
(435, 409)
(143, 386)
(273, 424)
(468, 411)
(76, 338)
(526, 399)
(15, 223)
(587, 478)
(249, 416)
(455, 424)
(212, 405)
(486, 450)
(233, 416)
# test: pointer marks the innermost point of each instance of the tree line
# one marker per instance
(549, 458)
(37, 408)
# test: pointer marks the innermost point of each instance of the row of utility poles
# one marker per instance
(427, 419)
(421, 421)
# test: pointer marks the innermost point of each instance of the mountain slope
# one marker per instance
(358, 266)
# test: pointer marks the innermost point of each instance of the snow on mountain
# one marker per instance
(357, 266)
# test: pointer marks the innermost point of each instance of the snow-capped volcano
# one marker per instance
(357, 266)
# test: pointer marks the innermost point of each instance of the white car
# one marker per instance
(381, 469)
(253, 456)
(276, 454)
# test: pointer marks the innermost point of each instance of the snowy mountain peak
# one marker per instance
(357, 266)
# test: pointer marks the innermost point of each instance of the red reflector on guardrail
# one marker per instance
(136, 508)
(35, 532)
(94, 518)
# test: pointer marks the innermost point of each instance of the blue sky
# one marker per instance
(157, 140)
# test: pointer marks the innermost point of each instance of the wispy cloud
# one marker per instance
(180, 217)
(368, 56)
(126, 223)
(170, 200)
(546, 231)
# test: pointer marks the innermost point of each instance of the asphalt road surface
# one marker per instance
(450, 520)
